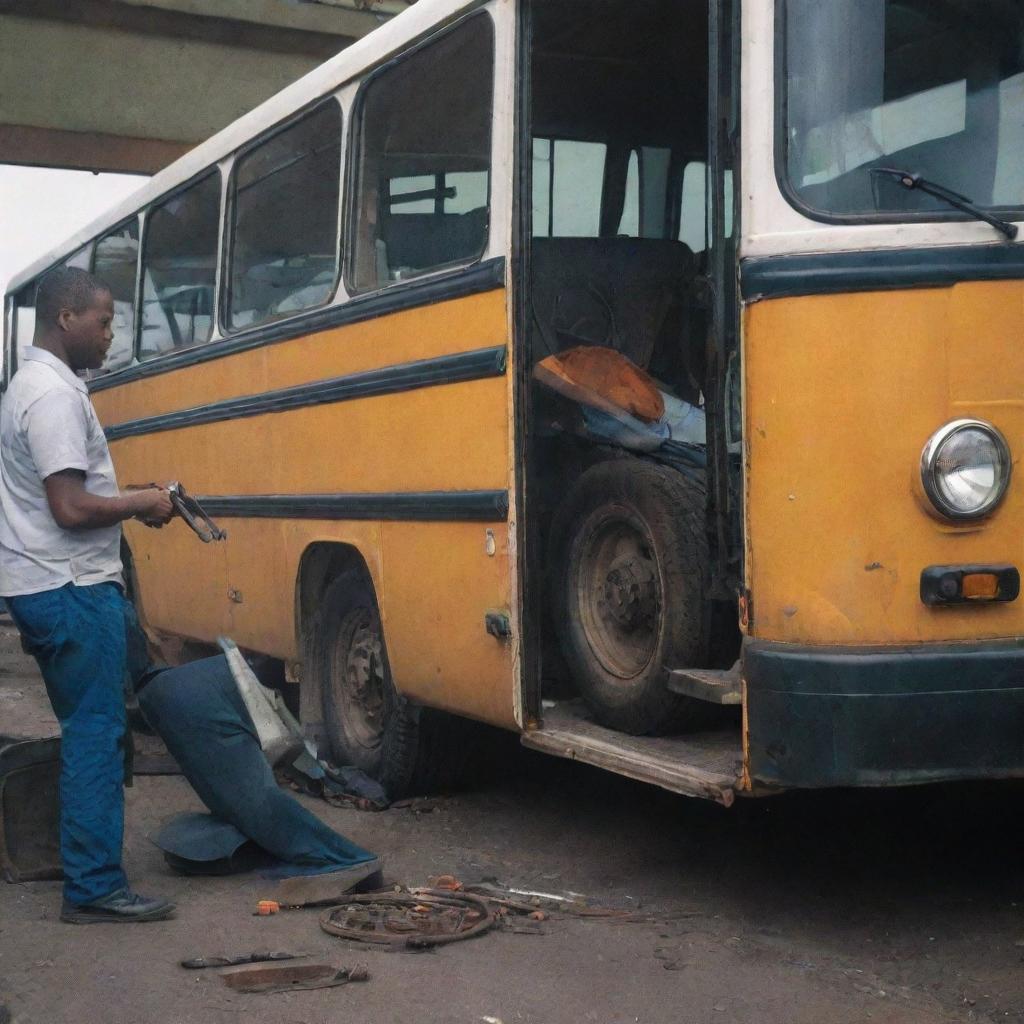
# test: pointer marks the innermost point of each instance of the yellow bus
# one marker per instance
(643, 378)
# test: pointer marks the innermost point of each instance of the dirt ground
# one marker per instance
(892, 907)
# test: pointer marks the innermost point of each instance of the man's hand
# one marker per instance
(155, 508)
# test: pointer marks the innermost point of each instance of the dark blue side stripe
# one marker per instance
(412, 506)
(483, 277)
(424, 373)
(773, 277)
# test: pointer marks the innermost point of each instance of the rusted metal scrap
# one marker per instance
(449, 883)
(421, 918)
(525, 902)
(291, 977)
(417, 919)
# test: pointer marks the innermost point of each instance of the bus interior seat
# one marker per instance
(630, 294)
(416, 240)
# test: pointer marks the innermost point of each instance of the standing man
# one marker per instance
(60, 573)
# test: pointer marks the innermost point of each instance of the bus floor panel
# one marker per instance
(705, 764)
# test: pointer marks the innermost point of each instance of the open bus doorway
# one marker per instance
(617, 322)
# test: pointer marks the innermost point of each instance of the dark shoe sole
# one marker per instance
(98, 917)
(370, 883)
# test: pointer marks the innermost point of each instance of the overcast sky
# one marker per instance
(40, 208)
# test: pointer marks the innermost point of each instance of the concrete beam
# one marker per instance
(85, 151)
(146, 20)
(344, 18)
(130, 84)
(76, 78)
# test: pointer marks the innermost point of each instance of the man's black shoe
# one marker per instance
(120, 907)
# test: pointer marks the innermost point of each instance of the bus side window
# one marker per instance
(284, 231)
(568, 182)
(80, 259)
(645, 203)
(629, 224)
(24, 324)
(179, 263)
(694, 206)
(114, 263)
(422, 190)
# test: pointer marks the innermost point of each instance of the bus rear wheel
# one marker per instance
(631, 559)
(370, 725)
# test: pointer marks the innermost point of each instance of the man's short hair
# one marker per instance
(66, 288)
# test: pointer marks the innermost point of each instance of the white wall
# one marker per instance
(40, 207)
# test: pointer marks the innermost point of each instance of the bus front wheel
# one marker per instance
(631, 562)
(370, 725)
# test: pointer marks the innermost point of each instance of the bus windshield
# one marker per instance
(933, 87)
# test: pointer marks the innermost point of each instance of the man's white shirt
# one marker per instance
(48, 424)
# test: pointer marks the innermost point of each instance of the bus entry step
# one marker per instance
(719, 686)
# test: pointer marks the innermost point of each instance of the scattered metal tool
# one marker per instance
(291, 977)
(198, 962)
(194, 514)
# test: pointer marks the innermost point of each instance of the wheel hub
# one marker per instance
(619, 594)
(364, 692)
(630, 594)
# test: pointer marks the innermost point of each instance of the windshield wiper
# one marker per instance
(912, 181)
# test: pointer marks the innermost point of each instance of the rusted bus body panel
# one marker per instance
(434, 580)
(842, 392)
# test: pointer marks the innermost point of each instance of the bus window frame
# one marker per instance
(215, 332)
(354, 150)
(227, 246)
(780, 157)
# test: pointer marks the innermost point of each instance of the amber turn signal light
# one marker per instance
(980, 586)
(969, 584)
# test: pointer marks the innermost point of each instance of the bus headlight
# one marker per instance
(965, 468)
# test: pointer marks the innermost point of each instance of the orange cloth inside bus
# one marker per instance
(596, 375)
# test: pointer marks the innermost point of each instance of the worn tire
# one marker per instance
(406, 748)
(631, 563)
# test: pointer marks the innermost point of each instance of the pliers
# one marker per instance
(194, 514)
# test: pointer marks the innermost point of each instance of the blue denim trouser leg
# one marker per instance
(77, 635)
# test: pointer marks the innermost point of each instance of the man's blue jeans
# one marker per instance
(77, 635)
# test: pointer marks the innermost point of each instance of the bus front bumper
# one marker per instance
(884, 717)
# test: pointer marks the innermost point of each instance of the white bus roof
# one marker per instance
(392, 37)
